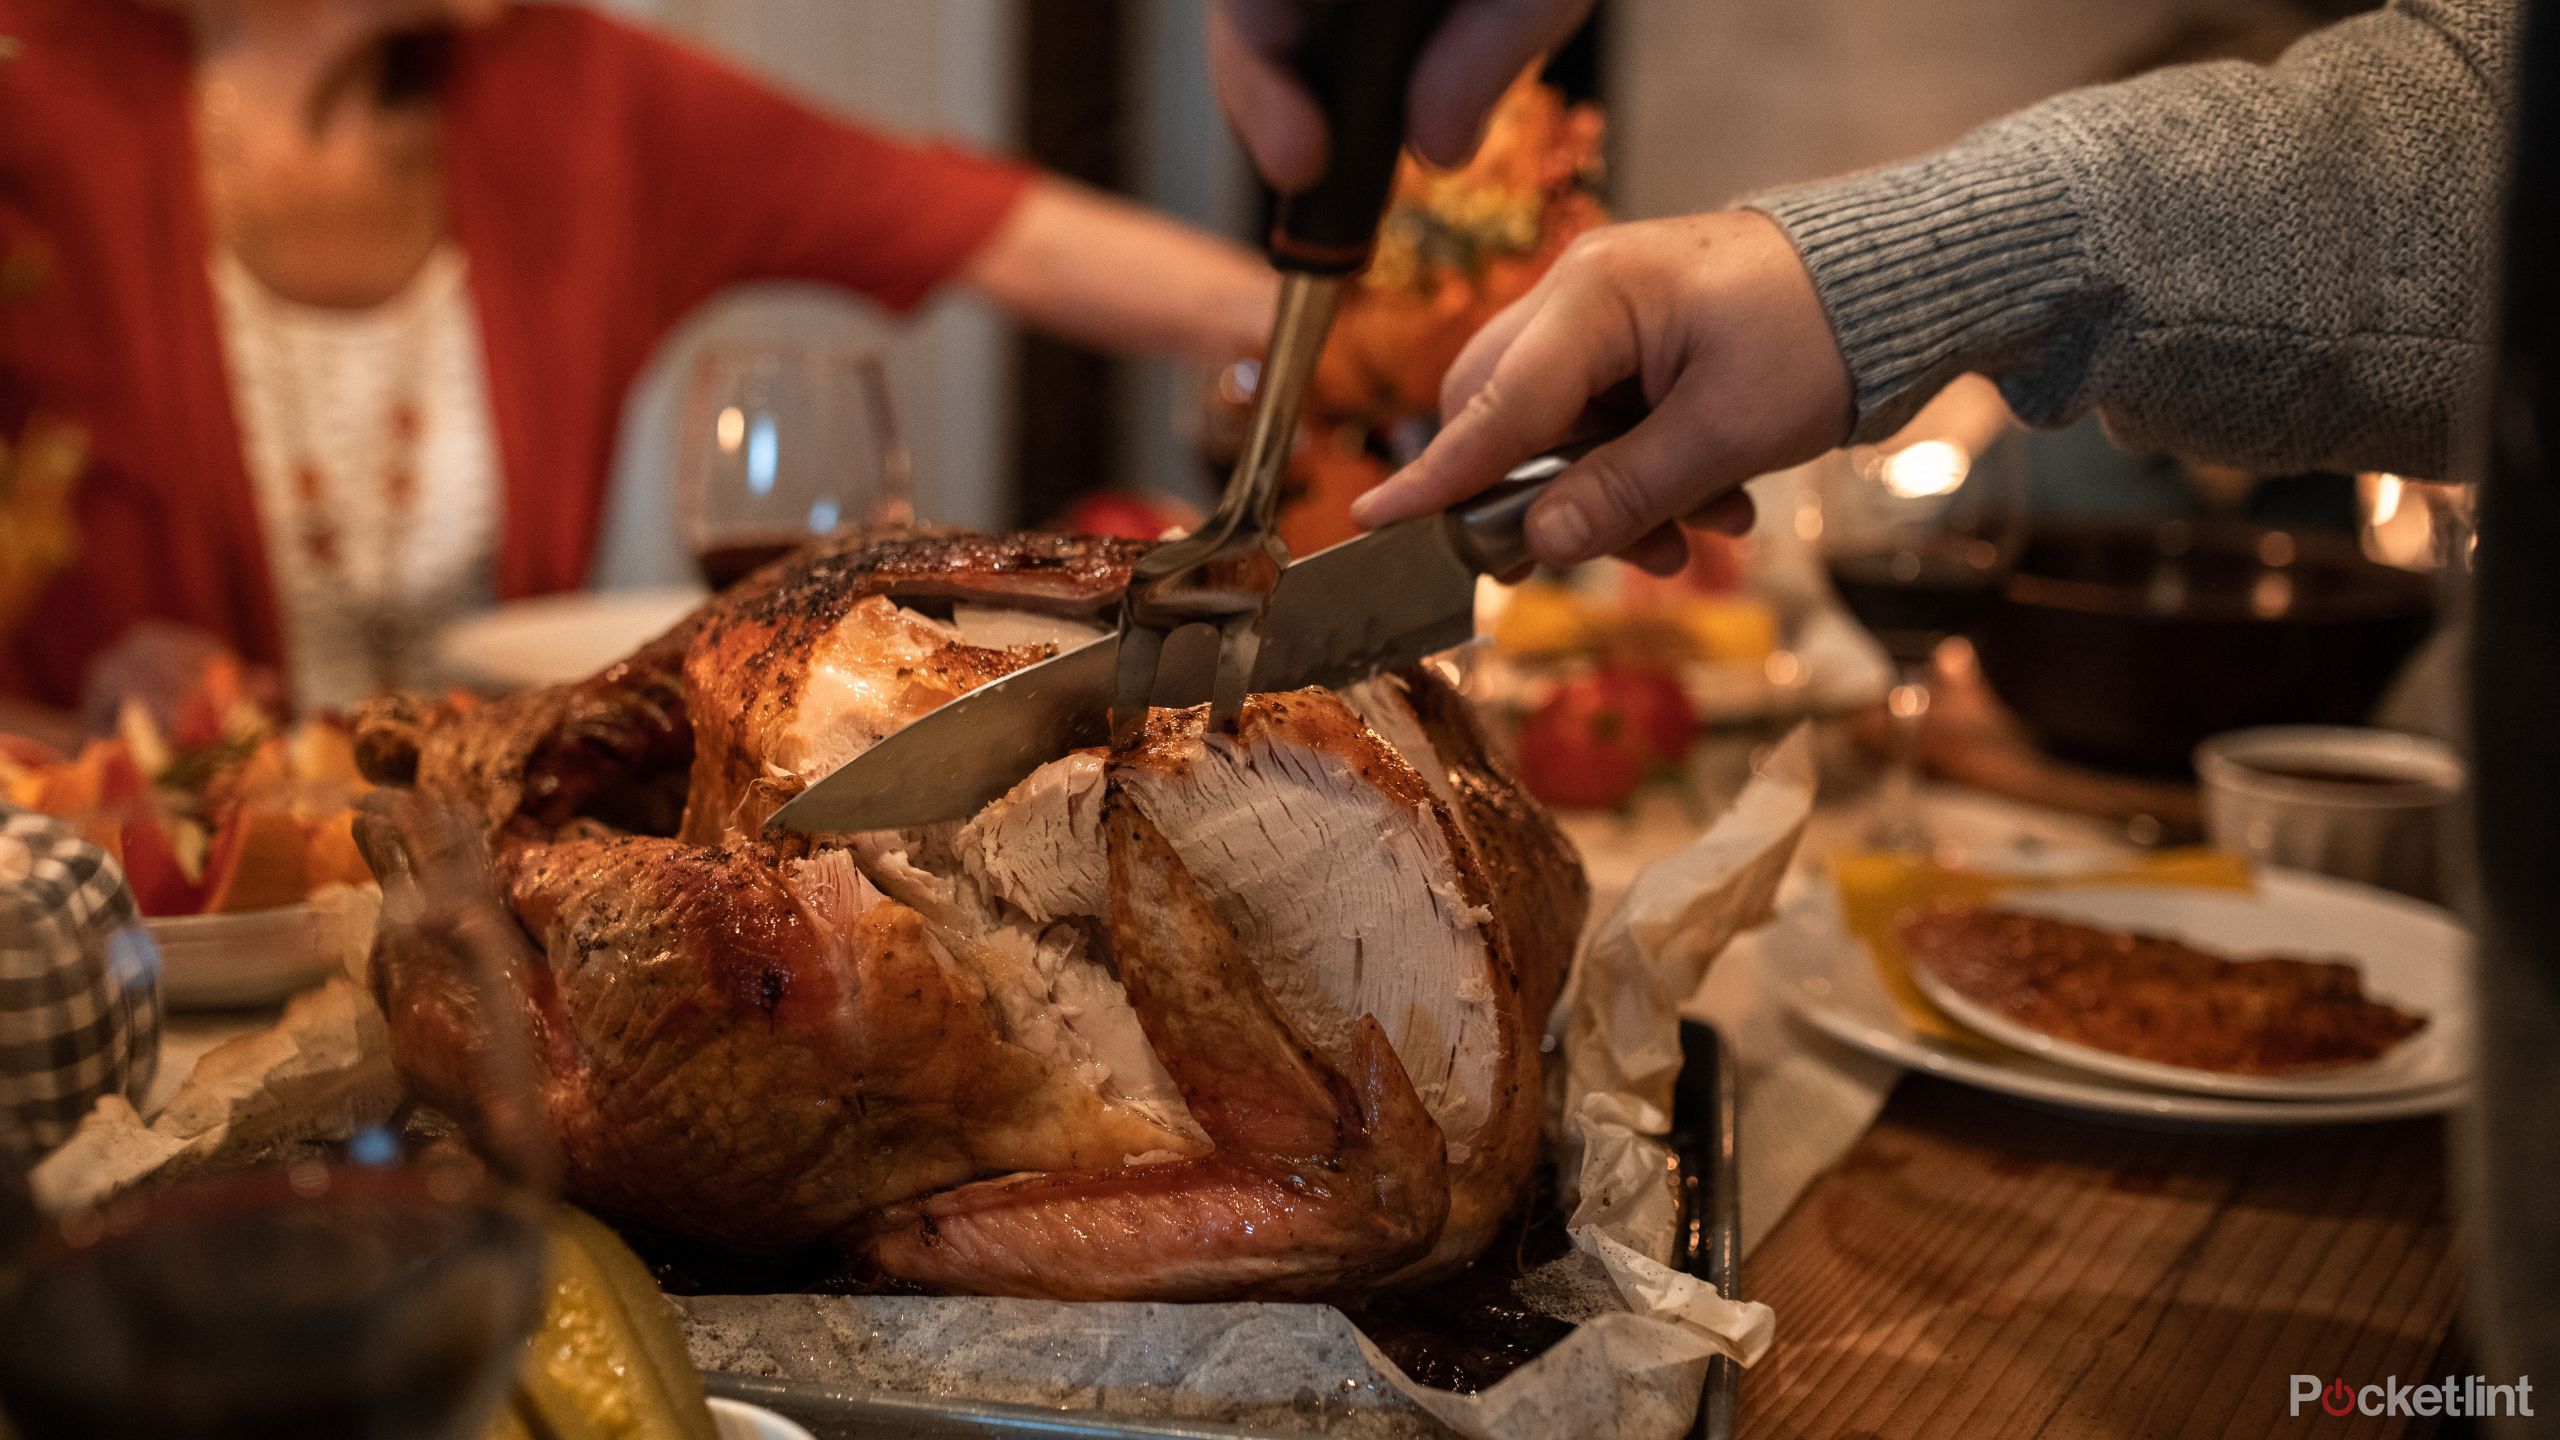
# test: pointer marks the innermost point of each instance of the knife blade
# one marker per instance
(1342, 614)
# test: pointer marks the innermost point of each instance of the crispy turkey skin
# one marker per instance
(1216, 1016)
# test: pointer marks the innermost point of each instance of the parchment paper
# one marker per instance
(322, 1070)
(1632, 1368)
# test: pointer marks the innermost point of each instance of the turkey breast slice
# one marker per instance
(1381, 704)
(996, 627)
(883, 666)
(1326, 854)
(887, 664)
(1046, 991)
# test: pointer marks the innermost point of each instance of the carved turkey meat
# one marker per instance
(1215, 1015)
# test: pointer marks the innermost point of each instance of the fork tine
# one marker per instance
(1239, 645)
(1141, 647)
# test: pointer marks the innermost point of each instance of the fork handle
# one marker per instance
(1358, 59)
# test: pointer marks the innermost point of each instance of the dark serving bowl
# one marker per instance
(2122, 645)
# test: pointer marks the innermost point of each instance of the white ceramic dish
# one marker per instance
(2390, 829)
(738, 1420)
(260, 957)
(2406, 951)
(557, 638)
(2413, 954)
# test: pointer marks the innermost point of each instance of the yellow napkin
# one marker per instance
(1877, 890)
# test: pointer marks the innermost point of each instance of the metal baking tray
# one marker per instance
(1708, 1245)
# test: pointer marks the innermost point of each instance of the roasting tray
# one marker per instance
(1707, 1244)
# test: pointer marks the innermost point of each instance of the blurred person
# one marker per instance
(347, 295)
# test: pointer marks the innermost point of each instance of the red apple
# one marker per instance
(1657, 710)
(1119, 513)
(1576, 752)
(152, 868)
(1596, 738)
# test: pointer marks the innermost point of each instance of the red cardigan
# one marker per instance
(602, 181)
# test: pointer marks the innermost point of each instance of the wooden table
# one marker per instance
(1977, 1269)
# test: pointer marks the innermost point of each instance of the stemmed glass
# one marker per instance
(379, 1287)
(782, 443)
(1918, 536)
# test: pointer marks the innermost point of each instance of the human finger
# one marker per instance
(1474, 366)
(1562, 355)
(1732, 513)
(1281, 125)
(1663, 551)
(1474, 56)
(1664, 468)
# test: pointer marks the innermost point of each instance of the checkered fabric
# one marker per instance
(79, 980)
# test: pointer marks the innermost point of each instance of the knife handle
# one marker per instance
(1491, 531)
(1358, 58)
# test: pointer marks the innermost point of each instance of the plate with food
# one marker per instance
(235, 830)
(2308, 988)
(2287, 998)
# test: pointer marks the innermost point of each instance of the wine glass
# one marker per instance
(782, 443)
(380, 1287)
(1919, 535)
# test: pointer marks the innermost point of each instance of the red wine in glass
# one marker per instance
(1918, 540)
(781, 444)
(732, 559)
(289, 1302)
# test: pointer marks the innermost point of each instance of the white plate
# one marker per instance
(557, 638)
(258, 957)
(738, 1420)
(2414, 954)
(2411, 955)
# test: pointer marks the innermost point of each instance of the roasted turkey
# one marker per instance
(1214, 1016)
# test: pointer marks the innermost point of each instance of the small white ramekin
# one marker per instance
(2392, 833)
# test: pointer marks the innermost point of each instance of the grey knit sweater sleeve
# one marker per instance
(2283, 267)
